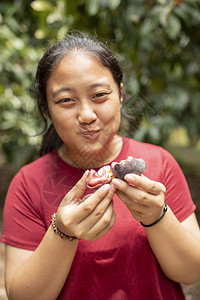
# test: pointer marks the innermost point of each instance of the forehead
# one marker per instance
(80, 66)
(81, 59)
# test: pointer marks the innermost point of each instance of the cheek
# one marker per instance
(112, 122)
(113, 114)
(63, 124)
(60, 117)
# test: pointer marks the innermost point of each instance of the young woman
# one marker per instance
(127, 240)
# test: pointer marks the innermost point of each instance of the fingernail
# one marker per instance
(116, 182)
(129, 177)
(113, 188)
(86, 173)
(106, 187)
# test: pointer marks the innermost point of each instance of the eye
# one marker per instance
(66, 100)
(100, 95)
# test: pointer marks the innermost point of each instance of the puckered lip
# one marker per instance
(90, 130)
(90, 134)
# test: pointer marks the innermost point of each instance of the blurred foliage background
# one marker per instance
(157, 43)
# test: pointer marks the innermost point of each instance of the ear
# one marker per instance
(121, 92)
(47, 113)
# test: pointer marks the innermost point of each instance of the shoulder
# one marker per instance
(41, 162)
(145, 149)
(46, 174)
(36, 170)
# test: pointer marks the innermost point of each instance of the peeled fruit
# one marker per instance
(116, 170)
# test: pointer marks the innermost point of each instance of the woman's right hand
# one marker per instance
(89, 218)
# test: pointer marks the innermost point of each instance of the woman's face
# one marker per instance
(84, 106)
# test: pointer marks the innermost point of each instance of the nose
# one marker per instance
(86, 114)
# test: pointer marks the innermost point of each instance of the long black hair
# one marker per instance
(79, 42)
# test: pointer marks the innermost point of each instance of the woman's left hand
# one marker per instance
(143, 197)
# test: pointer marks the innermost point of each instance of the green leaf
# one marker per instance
(181, 100)
(62, 32)
(38, 5)
(173, 27)
(53, 17)
(114, 4)
(40, 33)
(92, 7)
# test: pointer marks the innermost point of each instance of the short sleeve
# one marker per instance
(178, 195)
(22, 222)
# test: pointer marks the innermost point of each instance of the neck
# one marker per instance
(94, 160)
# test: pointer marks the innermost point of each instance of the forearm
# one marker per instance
(44, 273)
(176, 249)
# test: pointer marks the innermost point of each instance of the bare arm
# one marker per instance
(176, 245)
(177, 248)
(41, 274)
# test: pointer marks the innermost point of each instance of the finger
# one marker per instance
(103, 225)
(76, 192)
(145, 183)
(120, 185)
(86, 207)
(98, 211)
(107, 228)
(147, 208)
(76, 214)
(124, 191)
(134, 197)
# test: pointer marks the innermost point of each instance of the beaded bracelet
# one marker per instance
(164, 212)
(57, 231)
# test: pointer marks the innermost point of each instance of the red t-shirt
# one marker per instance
(118, 266)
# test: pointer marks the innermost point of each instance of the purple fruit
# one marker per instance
(131, 165)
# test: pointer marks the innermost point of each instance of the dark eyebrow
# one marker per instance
(91, 86)
(63, 89)
(100, 84)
